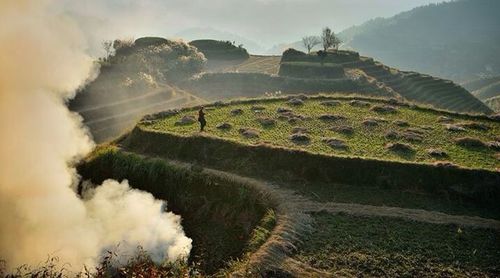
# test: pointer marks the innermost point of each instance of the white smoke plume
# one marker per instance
(42, 63)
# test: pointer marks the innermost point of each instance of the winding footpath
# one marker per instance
(294, 223)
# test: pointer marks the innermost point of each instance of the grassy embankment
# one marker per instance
(365, 141)
(225, 219)
(363, 172)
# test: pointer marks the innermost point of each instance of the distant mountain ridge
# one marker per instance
(459, 40)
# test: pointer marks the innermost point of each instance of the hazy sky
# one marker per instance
(267, 22)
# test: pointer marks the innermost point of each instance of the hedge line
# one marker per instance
(480, 186)
(339, 56)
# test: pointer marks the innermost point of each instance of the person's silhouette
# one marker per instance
(201, 119)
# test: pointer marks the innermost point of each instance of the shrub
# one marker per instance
(383, 109)
(186, 120)
(335, 143)
(236, 112)
(454, 128)
(436, 152)
(331, 117)
(300, 130)
(335, 57)
(150, 41)
(300, 138)
(295, 101)
(266, 122)
(224, 126)
(220, 50)
(249, 132)
(292, 54)
(359, 103)
(470, 142)
(399, 147)
(344, 129)
(392, 135)
(401, 123)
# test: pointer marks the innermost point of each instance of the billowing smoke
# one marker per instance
(42, 63)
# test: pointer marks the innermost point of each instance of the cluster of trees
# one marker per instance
(161, 59)
(328, 39)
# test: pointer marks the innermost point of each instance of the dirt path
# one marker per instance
(303, 204)
(294, 223)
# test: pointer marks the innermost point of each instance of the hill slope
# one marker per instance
(345, 199)
(136, 81)
(456, 40)
(487, 90)
(362, 128)
(412, 86)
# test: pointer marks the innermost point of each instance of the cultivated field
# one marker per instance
(254, 64)
(348, 127)
(357, 246)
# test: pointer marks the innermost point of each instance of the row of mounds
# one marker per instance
(371, 128)
(220, 50)
(421, 88)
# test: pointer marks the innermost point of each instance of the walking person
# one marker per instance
(201, 119)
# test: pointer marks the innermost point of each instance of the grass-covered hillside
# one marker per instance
(340, 66)
(456, 40)
(137, 79)
(350, 127)
(487, 90)
(254, 64)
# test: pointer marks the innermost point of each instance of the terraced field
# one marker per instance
(107, 118)
(345, 201)
(421, 88)
(254, 64)
(414, 87)
(487, 90)
(353, 128)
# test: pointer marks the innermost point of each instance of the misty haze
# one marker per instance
(250, 138)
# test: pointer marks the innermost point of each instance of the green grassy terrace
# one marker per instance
(364, 128)
(354, 246)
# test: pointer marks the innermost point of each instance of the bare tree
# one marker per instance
(310, 41)
(336, 42)
(108, 47)
(328, 38)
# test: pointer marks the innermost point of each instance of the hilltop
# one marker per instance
(456, 40)
(137, 79)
